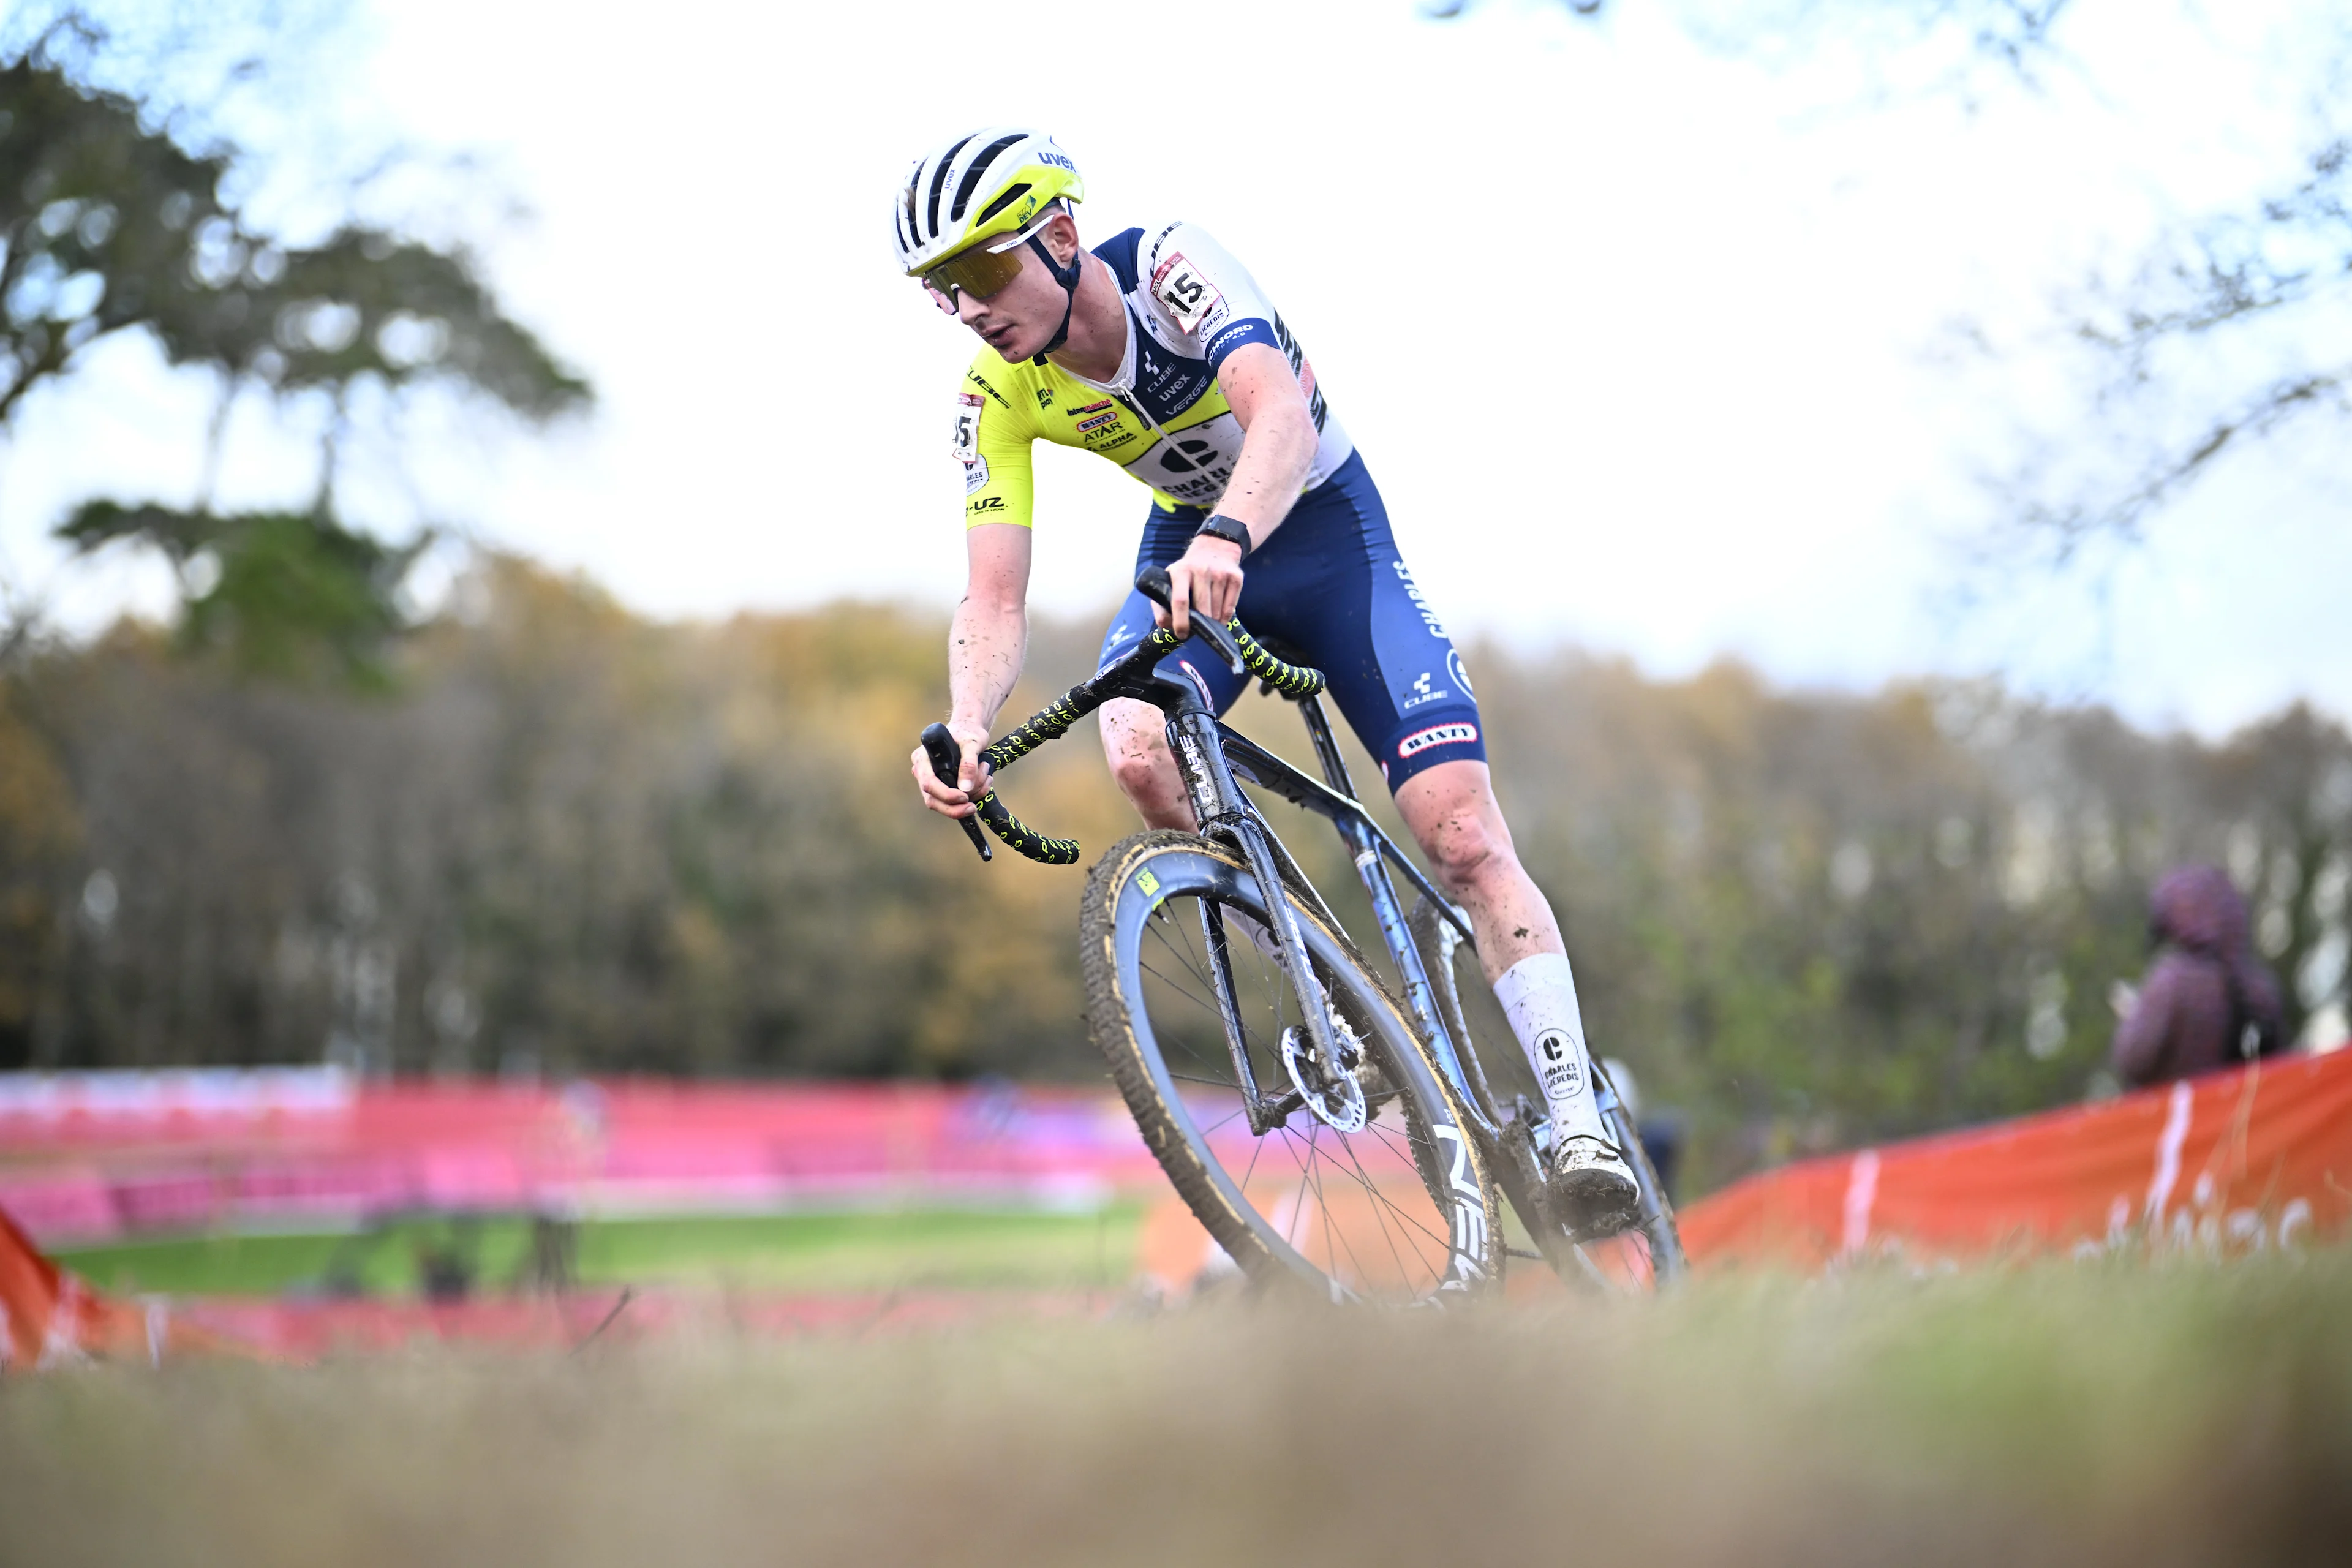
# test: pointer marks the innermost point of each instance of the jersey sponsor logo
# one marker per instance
(1185, 456)
(1178, 284)
(984, 504)
(982, 381)
(1192, 464)
(1421, 691)
(1234, 334)
(1044, 397)
(1412, 592)
(1089, 408)
(1455, 734)
(967, 426)
(1461, 676)
(1096, 423)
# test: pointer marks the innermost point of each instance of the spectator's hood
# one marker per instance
(2198, 907)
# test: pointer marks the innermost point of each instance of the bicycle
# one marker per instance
(1237, 1023)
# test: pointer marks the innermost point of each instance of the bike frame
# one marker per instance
(1213, 760)
(1211, 757)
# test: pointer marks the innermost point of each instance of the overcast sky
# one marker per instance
(1651, 348)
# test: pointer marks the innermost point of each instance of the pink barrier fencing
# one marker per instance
(89, 1157)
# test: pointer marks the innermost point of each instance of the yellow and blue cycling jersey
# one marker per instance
(1329, 581)
(1162, 417)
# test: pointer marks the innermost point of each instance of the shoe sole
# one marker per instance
(1594, 1204)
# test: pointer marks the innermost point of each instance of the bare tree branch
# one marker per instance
(2284, 261)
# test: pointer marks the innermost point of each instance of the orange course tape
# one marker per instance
(2232, 1164)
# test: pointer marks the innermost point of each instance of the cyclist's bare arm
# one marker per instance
(986, 645)
(1277, 448)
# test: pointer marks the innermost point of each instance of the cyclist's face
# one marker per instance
(1021, 318)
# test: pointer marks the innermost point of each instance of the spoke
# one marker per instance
(1402, 1270)
(1222, 1121)
(1405, 1149)
(1314, 1153)
(1402, 1215)
(1341, 1238)
(1290, 1143)
(1175, 984)
(1257, 1149)
(1195, 964)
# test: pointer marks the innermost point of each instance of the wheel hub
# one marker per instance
(1330, 1090)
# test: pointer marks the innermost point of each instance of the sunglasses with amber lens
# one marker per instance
(983, 271)
(977, 272)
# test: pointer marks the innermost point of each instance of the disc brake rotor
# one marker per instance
(1335, 1096)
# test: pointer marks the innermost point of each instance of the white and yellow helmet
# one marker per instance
(993, 182)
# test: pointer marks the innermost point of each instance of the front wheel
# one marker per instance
(1362, 1184)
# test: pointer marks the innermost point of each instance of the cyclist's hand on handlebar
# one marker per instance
(972, 777)
(1207, 577)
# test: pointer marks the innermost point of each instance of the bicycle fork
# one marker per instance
(1223, 812)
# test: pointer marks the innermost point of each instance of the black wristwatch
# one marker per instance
(1219, 526)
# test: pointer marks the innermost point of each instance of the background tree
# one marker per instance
(110, 225)
(574, 840)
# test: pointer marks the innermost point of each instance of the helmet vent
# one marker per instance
(939, 179)
(1011, 193)
(971, 176)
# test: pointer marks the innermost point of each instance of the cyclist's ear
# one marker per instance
(1061, 236)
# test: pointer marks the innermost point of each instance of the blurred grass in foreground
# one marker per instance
(2057, 1414)
(856, 1250)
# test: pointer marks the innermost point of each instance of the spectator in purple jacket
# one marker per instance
(2208, 1001)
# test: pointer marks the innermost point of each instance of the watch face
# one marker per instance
(1225, 528)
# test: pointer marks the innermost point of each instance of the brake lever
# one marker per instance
(1154, 584)
(947, 762)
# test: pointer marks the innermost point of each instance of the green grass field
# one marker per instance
(2123, 1414)
(865, 1250)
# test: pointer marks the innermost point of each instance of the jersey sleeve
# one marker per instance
(991, 442)
(1212, 296)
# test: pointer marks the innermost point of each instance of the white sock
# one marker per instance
(1538, 997)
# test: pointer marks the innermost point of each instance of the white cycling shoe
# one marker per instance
(1593, 1189)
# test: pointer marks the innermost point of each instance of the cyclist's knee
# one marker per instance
(1136, 745)
(1452, 814)
(1465, 853)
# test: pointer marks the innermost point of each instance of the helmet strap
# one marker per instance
(1067, 277)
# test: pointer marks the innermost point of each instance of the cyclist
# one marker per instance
(1159, 350)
